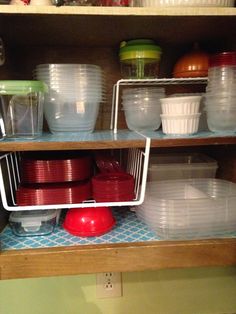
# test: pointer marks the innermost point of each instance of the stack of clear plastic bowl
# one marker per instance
(190, 208)
(142, 107)
(75, 93)
(220, 98)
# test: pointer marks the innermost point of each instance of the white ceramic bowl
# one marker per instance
(180, 124)
(180, 105)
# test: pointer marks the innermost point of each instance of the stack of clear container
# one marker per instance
(220, 98)
(75, 93)
(142, 107)
(190, 208)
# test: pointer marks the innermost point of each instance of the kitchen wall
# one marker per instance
(181, 291)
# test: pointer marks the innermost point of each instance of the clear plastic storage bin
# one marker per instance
(33, 222)
(190, 208)
(181, 166)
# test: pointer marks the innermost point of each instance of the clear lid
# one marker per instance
(183, 159)
(32, 217)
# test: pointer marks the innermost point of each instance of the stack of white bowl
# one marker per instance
(190, 208)
(220, 98)
(180, 115)
(142, 107)
(74, 96)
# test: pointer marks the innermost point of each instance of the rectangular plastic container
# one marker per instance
(33, 222)
(190, 209)
(181, 166)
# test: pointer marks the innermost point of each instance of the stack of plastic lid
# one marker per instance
(191, 208)
(47, 169)
(52, 180)
(54, 193)
(113, 187)
(180, 115)
(75, 94)
(220, 99)
(142, 107)
(89, 222)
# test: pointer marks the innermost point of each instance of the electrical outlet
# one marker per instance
(109, 285)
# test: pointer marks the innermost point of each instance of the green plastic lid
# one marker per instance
(139, 48)
(11, 87)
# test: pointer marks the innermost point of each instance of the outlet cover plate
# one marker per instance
(108, 285)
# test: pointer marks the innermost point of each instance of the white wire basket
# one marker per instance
(145, 82)
(137, 165)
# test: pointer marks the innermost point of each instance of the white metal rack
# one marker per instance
(137, 165)
(146, 82)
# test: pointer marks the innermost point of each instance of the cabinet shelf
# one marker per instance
(109, 140)
(108, 26)
(120, 250)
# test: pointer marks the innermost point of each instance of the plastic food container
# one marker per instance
(139, 59)
(33, 222)
(190, 209)
(181, 166)
(22, 108)
(180, 124)
(180, 105)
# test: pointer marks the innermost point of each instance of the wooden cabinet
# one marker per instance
(36, 35)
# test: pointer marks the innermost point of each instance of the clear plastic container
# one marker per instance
(139, 59)
(33, 222)
(181, 166)
(190, 208)
(22, 108)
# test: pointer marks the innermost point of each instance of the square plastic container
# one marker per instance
(33, 222)
(181, 166)
(22, 108)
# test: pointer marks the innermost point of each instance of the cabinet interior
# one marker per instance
(92, 35)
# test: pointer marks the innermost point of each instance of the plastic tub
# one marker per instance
(139, 59)
(221, 120)
(71, 116)
(33, 222)
(180, 105)
(180, 124)
(191, 208)
(180, 166)
(143, 118)
(22, 108)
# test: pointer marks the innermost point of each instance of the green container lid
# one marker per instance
(139, 48)
(11, 87)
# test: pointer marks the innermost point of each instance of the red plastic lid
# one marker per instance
(227, 58)
(52, 169)
(113, 187)
(89, 222)
(55, 193)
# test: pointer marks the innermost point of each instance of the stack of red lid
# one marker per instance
(51, 169)
(227, 58)
(56, 193)
(113, 187)
(54, 179)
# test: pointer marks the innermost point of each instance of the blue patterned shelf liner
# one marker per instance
(128, 229)
(122, 135)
